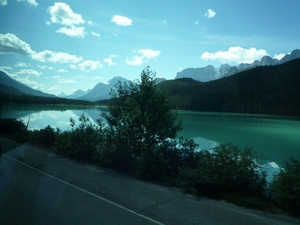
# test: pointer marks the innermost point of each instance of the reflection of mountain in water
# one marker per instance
(55, 117)
(93, 114)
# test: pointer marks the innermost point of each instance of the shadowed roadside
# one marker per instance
(44, 188)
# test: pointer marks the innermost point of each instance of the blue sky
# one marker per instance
(65, 46)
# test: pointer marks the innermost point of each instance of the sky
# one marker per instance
(65, 46)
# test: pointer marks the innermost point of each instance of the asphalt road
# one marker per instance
(40, 187)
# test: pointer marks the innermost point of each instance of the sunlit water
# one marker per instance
(276, 138)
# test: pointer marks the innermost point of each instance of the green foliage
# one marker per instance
(285, 189)
(226, 170)
(44, 137)
(83, 141)
(140, 117)
(162, 163)
(13, 128)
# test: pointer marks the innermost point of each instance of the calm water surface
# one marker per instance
(277, 138)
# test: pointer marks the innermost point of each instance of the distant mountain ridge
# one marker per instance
(77, 94)
(101, 90)
(209, 73)
(9, 83)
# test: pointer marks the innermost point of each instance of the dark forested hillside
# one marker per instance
(7, 81)
(262, 90)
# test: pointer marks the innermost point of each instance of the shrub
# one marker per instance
(226, 170)
(83, 142)
(285, 189)
(13, 128)
(44, 137)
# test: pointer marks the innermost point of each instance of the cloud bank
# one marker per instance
(11, 44)
(236, 54)
(61, 13)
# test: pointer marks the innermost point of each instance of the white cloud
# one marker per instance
(109, 61)
(10, 43)
(63, 80)
(29, 72)
(80, 77)
(21, 64)
(31, 2)
(45, 67)
(73, 31)
(89, 65)
(62, 13)
(42, 67)
(165, 22)
(209, 14)
(62, 71)
(54, 88)
(31, 83)
(95, 34)
(197, 23)
(97, 78)
(5, 68)
(66, 81)
(135, 61)
(236, 54)
(148, 53)
(56, 57)
(72, 66)
(121, 20)
(279, 56)
(3, 2)
(143, 54)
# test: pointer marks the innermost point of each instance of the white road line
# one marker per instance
(87, 192)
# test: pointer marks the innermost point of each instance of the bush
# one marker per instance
(83, 142)
(285, 189)
(14, 129)
(224, 171)
(44, 137)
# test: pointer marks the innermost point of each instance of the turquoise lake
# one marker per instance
(277, 138)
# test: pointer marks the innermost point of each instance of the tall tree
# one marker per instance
(140, 116)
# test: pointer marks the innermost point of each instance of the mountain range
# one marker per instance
(272, 90)
(77, 94)
(12, 87)
(209, 73)
(101, 90)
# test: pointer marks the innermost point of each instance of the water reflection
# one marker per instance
(39, 119)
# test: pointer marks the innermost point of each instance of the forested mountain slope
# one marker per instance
(262, 90)
(7, 81)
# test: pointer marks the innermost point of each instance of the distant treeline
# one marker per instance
(263, 90)
(30, 99)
